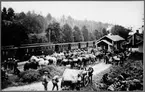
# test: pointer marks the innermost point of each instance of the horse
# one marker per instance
(43, 62)
(51, 59)
(99, 55)
(31, 65)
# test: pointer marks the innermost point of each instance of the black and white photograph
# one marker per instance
(72, 45)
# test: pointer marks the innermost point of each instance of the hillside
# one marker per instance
(91, 25)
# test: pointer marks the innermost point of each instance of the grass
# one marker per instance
(133, 66)
(14, 80)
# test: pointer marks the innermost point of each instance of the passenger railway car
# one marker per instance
(26, 50)
(74, 46)
(90, 44)
(83, 44)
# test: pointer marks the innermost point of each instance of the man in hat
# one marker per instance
(55, 81)
(45, 80)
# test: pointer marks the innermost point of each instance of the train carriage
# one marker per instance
(90, 44)
(25, 50)
(74, 46)
(83, 44)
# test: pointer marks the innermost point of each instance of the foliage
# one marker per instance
(5, 83)
(17, 27)
(104, 32)
(21, 28)
(13, 33)
(34, 23)
(132, 67)
(10, 14)
(29, 76)
(68, 34)
(120, 30)
(90, 25)
(91, 37)
(4, 13)
(52, 70)
(85, 33)
(55, 32)
(78, 36)
(97, 34)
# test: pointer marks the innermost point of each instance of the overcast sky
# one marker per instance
(125, 13)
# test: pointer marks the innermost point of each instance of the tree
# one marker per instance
(20, 16)
(85, 33)
(78, 36)
(55, 32)
(48, 18)
(13, 33)
(120, 30)
(68, 34)
(91, 37)
(34, 23)
(4, 13)
(11, 14)
(97, 34)
(104, 32)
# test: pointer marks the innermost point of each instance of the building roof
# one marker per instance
(115, 37)
(105, 42)
(112, 37)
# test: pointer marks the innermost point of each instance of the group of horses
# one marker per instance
(71, 58)
(75, 58)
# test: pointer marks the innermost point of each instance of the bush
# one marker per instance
(132, 67)
(30, 76)
(136, 56)
(5, 83)
(52, 70)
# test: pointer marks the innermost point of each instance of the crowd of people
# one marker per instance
(11, 64)
(79, 58)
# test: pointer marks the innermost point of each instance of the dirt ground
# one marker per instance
(98, 69)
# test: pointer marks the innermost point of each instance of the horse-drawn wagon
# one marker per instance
(73, 79)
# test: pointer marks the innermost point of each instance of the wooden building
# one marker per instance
(110, 42)
(135, 42)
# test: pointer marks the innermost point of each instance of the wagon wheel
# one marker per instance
(86, 81)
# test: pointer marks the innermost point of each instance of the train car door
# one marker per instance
(87, 45)
(57, 48)
(79, 45)
(20, 53)
(69, 46)
(94, 45)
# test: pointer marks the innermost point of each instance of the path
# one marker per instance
(39, 87)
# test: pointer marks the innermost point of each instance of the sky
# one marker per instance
(125, 13)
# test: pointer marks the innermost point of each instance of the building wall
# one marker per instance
(140, 48)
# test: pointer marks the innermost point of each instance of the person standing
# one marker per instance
(15, 65)
(5, 64)
(78, 84)
(55, 81)
(45, 80)
(91, 70)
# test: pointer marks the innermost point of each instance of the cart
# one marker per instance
(70, 79)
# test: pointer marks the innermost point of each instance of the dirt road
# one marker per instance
(39, 87)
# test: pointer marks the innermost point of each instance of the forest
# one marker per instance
(27, 28)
